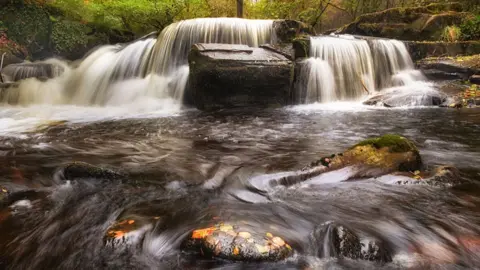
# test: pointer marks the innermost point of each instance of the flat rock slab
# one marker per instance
(229, 76)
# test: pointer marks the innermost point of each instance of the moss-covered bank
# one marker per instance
(44, 31)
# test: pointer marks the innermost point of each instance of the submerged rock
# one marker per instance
(228, 76)
(82, 170)
(229, 242)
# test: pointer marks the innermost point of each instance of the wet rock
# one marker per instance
(333, 240)
(287, 30)
(475, 79)
(228, 76)
(446, 68)
(17, 72)
(446, 176)
(389, 153)
(229, 242)
(375, 250)
(399, 98)
(82, 170)
(3, 194)
(128, 230)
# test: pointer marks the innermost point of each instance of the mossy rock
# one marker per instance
(389, 153)
(394, 143)
(229, 242)
(82, 170)
(417, 23)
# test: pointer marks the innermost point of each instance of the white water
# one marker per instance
(153, 72)
(346, 68)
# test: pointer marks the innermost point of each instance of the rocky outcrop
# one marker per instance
(17, 72)
(423, 49)
(420, 23)
(442, 68)
(227, 241)
(228, 76)
(287, 30)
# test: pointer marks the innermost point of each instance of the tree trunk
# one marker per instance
(240, 8)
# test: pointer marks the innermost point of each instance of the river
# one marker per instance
(176, 161)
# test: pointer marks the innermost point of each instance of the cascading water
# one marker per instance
(146, 70)
(347, 68)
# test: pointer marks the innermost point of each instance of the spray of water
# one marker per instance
(348, 68)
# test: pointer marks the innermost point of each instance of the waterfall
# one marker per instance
(143, 70)
(347, 68)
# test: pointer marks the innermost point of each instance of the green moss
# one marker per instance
(395, 143)
(28, 25)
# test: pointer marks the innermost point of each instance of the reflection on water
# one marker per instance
(192, 169)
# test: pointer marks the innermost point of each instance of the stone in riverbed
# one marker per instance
(389, 153)
(333, 240)
(83, 170)
(398, 98)
(229, 242)
(228, 76)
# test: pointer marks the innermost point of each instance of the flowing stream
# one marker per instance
(173, 162)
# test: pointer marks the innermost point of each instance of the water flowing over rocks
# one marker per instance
(401, 97)
(227, 76)
(40, 70)
(333, 240)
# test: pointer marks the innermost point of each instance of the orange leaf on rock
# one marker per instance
(202, 233)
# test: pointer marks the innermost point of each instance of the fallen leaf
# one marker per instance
(262, 249)
(278, 241)
(236, 251)
(226, 228)
(202, 233)
(269, 235)
(131, 221)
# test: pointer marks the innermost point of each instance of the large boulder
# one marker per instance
(227, 76)
(418, 23)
